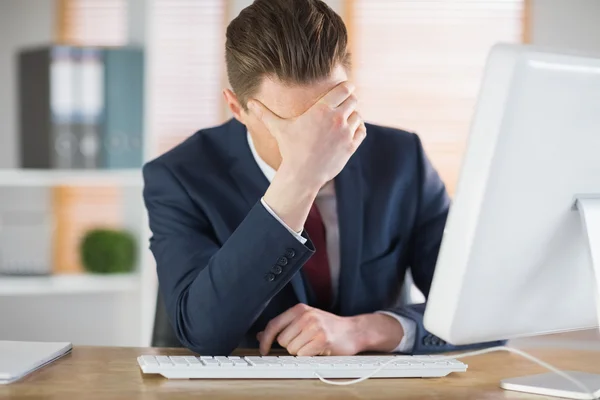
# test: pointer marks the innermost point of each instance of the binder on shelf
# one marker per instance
(46, 100)
(89, 107)
(81, 108)
(59, 130)
(122, 145)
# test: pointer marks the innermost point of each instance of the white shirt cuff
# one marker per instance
(410, 330)
(297, 235)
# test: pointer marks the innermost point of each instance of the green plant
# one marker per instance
(107, 251)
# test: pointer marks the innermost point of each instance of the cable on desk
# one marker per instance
(580, 385)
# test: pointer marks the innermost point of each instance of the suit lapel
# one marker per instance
(252, 183)
(349, 192)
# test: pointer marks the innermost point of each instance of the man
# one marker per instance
(295, 222)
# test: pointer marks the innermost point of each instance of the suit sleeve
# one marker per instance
(432, 211)
(214, 291)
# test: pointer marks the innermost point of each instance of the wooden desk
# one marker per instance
(105, 372)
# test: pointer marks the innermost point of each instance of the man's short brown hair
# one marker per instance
(296, 41)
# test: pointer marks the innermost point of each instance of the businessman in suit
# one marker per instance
(294, 223)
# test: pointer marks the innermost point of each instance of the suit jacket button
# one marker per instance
(269, 277)
(276, 269)
(282, 261)
(290, 253)
(427, 340)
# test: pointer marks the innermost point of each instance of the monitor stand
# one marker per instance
(550, 384)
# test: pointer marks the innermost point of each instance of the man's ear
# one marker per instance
(234, 105)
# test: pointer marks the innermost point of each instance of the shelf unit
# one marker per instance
(25, 177)
(67, 284)
(141, 285)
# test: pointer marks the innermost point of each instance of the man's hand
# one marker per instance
(314, 148)
(308, 331)
(317, 144)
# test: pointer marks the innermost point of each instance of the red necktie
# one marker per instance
(316, 269)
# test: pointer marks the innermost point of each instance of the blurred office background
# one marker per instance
(132, 78)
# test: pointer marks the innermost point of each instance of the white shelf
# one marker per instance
(68, 284)
(33, 177)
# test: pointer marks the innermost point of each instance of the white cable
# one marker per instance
(580, 385)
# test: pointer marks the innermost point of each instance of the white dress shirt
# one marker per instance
(327, 204)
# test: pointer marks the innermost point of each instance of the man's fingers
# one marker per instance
(359, 135)
(260, 111)
(338, 94)
(314, 347)
(278, 324)
(290, 332)
(354, 122)
(348, 106)
(306, 335)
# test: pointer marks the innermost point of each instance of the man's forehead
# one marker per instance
(289, 101)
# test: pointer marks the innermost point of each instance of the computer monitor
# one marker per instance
(520, 254)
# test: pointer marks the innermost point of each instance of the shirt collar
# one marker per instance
(264, 167)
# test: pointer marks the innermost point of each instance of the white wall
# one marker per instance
(22, 23)
(566, 24)
(137, 13)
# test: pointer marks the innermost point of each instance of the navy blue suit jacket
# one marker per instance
(215, 244)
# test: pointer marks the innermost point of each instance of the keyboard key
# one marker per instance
(241, 364)
(164, 361)
(323, 366)
(149, 360)
(210, 361)
(192, 360)
(179, 361)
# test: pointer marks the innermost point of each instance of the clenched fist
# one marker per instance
(308, 331)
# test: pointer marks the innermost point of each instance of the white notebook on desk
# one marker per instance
(18, 359)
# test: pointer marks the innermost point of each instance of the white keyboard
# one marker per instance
(288, 367)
